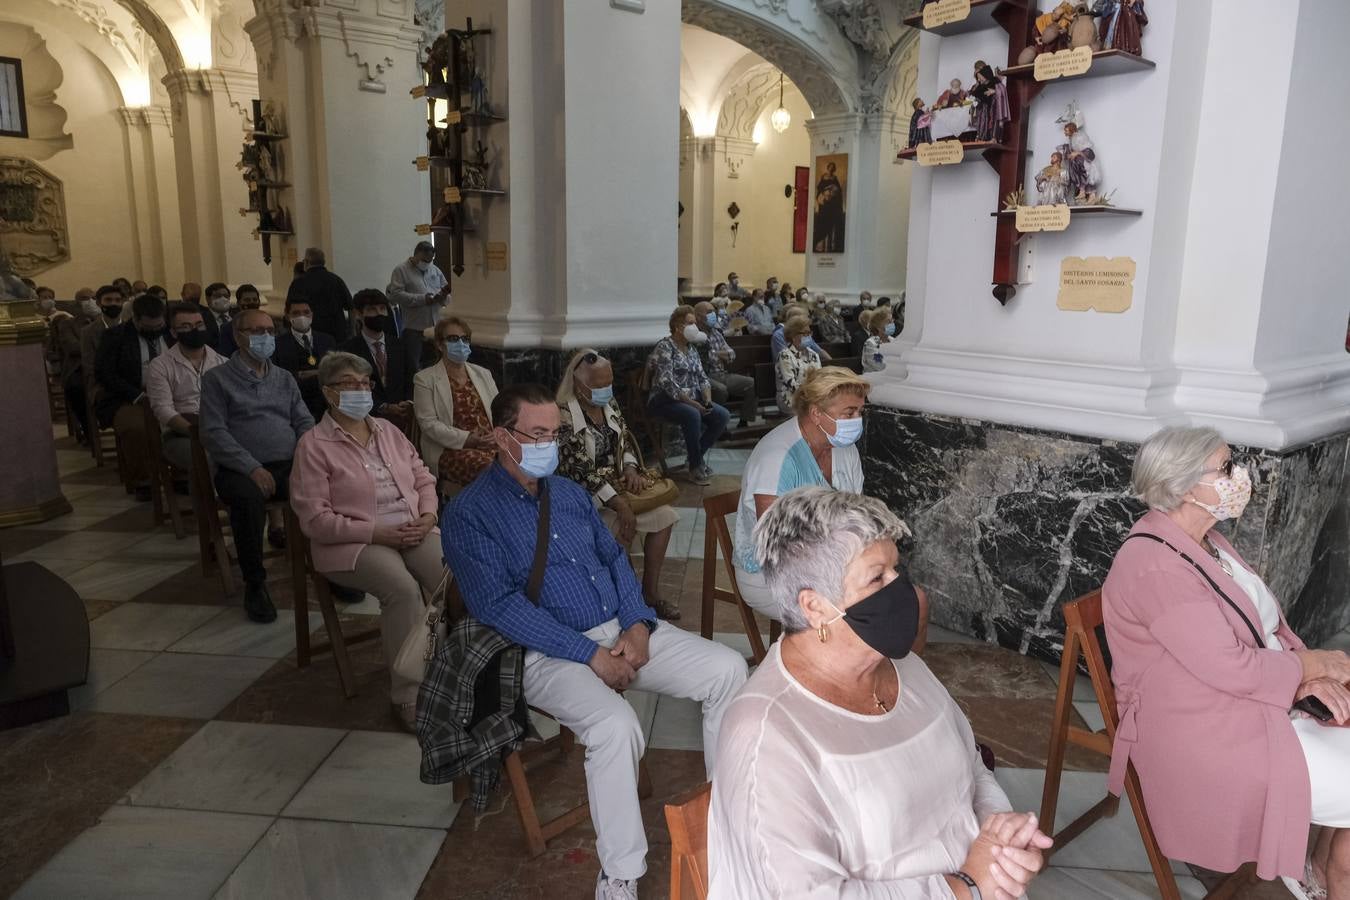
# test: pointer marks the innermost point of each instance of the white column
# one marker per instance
(589, 162)
(211, 113)
(876, 194)
(157, 237)
(1238, 307)
(697, 164)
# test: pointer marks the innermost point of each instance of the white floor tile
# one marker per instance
(1058, 883)
(1082, 685)
(82, 518)
(119, 581)
(163, 547)
(372, 777)
(1112, 843)
(334, 861)
(237, 767)
(1091, 713)
(63, 568)
(678, 725)
(106, 668)
(182, 684)
(90, 545)
(148, 853)
(231, 633)
(148, 626)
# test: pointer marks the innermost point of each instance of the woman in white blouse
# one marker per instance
(794, 361)
(845, 769)
(453, 403)
(880, 328)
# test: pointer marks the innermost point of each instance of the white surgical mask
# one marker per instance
(46, 305)
(220, 304)
(890, 329)
(301, 323)
(694, 336)
(602, 395)
(89, 307)
(538, 460)
(423, 266)
(355, 404)
(846, 431)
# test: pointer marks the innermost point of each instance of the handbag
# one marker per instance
(658, 491)
(447, 605)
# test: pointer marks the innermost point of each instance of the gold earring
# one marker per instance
(823, 632)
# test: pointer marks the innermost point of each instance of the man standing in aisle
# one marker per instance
(326, 294)
(420, 288)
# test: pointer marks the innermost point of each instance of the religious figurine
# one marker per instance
(1082, 174)
(438, 141)
(1083, 31)
(1050, 182)
(267, 169)
(478, 94)
(1122, 23)
(473, 175)
(438, 57)
(466, 60)
(919, 122)
(271, 121)
(991, 104)
(953, 96)
(1052, 28)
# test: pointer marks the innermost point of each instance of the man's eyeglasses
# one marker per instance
(543, 438)
(253, 332)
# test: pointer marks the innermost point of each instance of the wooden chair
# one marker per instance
(163, 497)
(537, 833)
(102, 441)
(717, 537)
(302, 565)
(687, 819)
(637, 417)
(56, 400)
(1082, 619)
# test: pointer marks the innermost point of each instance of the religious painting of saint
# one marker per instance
(831, 183)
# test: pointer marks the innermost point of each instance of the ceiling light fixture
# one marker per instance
(781, 118)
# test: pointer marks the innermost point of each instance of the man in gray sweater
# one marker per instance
(252, 415)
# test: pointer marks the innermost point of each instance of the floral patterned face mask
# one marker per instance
(1234, 491)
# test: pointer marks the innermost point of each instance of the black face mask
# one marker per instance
(888, 620)
(193, 340)
(377, 323)
(112, 311)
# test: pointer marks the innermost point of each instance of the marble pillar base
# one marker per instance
(1009, 523)
(546, 366)
(30, 489)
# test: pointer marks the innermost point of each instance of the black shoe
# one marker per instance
(258, 603)
(277, 538)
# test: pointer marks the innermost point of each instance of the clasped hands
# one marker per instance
(1325, 675)
(1005, 855)
(403, 537)
(617, 666)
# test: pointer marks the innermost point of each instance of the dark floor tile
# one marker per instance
(96, 608)
(58, 776)
(104, 476)
(137, 519)
(190, 586)
(286, 695)
(14, 541)
(501, 867)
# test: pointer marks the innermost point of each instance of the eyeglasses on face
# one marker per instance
(258, 330)
(351, 384)
(542, 437)
(456, 338)
(1225, 468)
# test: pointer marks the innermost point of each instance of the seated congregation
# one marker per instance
(841, 766)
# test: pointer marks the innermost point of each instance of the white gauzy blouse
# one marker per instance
(811, 800)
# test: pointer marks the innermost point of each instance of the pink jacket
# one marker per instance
(333, 494)
(1204, 711)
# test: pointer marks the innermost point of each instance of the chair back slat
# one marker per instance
(1084, 617)
(687, 819)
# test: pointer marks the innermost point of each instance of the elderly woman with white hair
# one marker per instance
(845, 769)
(598, 452)
(1234, 727)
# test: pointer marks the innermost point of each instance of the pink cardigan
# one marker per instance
(1204, 712)
(333, 494)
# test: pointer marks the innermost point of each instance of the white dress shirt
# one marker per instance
(415, 291)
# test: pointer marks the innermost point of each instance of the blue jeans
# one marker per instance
(701, 430)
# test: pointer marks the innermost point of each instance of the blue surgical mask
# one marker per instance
(890, 329)
(712, 319)
(601, 396)
(846, 432)
(355, 404)
(538, 460)
(262, 346)
(457, 351)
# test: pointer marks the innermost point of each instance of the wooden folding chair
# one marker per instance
(163, 497)
(301, 565)
(537, 833)
(1082, 619)
(638, 418)
(717, 537)
(102, 441)
(687, 819)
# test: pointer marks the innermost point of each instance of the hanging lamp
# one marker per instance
(781, 118)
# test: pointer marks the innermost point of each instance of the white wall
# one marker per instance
(92, 171)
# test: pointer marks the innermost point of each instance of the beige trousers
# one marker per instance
(397, 578)
(681, 664)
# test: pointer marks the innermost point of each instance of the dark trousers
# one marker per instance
(701, 430)
(76, 402)
(248, 515)
(729, 386)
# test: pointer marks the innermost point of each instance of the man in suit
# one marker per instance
(299, 351)
(215, 315)
(110, 301)
(119, 369)
(326, 294)
(392, 359)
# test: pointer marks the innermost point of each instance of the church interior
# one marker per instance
(352, 341)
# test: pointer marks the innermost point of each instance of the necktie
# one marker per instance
(309, 351)
(152, 348)
(381, 361)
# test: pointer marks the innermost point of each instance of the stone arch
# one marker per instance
(158, 31)
(810, 51)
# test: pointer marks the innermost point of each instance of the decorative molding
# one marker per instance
(746, 100)
(238, 88)
(146, 116)
(429, 17)
(131, 46)
(735, 152)
(230, 43)
(365, 40)
(32, 216)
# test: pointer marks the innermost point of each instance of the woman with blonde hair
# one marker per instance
(794, 361)
(453, 403)
(598, 452)
(879, 327)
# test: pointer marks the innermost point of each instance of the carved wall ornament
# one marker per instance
(746, 100)
(130, 41)
(32, 216)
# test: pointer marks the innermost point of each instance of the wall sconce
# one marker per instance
(733, 210)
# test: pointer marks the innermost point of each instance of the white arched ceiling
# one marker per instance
(113, 40)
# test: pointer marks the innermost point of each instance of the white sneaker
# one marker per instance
(614, 888)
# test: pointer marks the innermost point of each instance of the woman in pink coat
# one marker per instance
(1206, 671)
(367, 503)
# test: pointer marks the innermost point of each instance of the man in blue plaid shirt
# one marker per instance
(591, 634)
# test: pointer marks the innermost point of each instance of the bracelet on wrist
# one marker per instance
(970, 883)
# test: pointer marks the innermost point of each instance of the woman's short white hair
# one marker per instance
(567, 389)
(808, 537)
(1170, 462)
